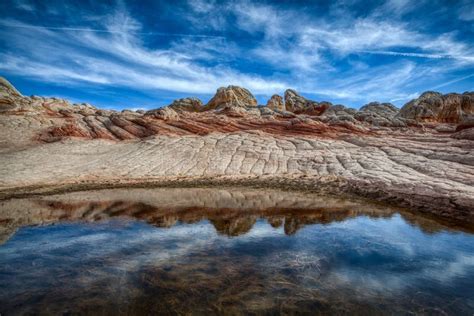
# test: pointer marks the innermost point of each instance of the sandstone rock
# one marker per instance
(419, 168)
(383, 109)
(380, 114)
(465, 130)
(232, 96)
(297, 104)
(8, 94)
(284, 114)
(276, 103)
(467, 134)
(294, 102)
(232, 111)
(465, 124)
(186, 105)
(338, 115)
(445, 128)
(105, 112)
(435, 107)
(166, 113)
(7, 89)
(339, 109)
(266, 111)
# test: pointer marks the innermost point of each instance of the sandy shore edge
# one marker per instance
(443, 206)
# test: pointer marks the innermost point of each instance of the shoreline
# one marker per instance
(445, 207)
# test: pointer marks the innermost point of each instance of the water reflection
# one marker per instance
(232, 211)
(228, 251)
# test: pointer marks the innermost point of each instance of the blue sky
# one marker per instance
(144, 54)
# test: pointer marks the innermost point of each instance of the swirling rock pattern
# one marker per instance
(373, 152)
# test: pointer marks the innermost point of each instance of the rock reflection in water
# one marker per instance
(228, 251)
(232, 211)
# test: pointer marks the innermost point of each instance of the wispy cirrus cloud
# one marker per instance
(330, 52)
(116, 56)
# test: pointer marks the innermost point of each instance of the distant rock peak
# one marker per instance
(436, 107)
(233, 109)
(231, 96)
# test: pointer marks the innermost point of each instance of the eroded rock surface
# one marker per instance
(297, 104)
(276, 103)
(232, 96)
(373, 152)
(436, 107)
(187, 105)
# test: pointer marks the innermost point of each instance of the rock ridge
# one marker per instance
(419, 160)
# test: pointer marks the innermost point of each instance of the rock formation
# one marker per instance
(8, 95)
(435, 107)
(232, 96)
(378, 151)
(465, 130)
(186, 105)
(166, 113)
(380, 114)
(297, 104)
(276, 103)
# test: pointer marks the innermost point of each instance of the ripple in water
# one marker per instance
(228, 251)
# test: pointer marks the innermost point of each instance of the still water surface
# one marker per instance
(228, 251)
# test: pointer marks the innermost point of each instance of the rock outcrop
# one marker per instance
(436, 107)
(374, 152)
(373, 114)
(231, 109)
(9, 96)
(467, 134)
(297, 104)
(231, 96)
(186, 105)
(276, 103)
(380, 114)
(465, 130)
(166, 113)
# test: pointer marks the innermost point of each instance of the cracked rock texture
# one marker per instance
(374, 152)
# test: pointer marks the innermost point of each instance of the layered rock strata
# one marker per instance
(376, 151)
(436, 107)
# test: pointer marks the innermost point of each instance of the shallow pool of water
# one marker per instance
(228, 251)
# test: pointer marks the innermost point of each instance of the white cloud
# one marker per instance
(292, 47)
(117, 57)
(447, 83)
